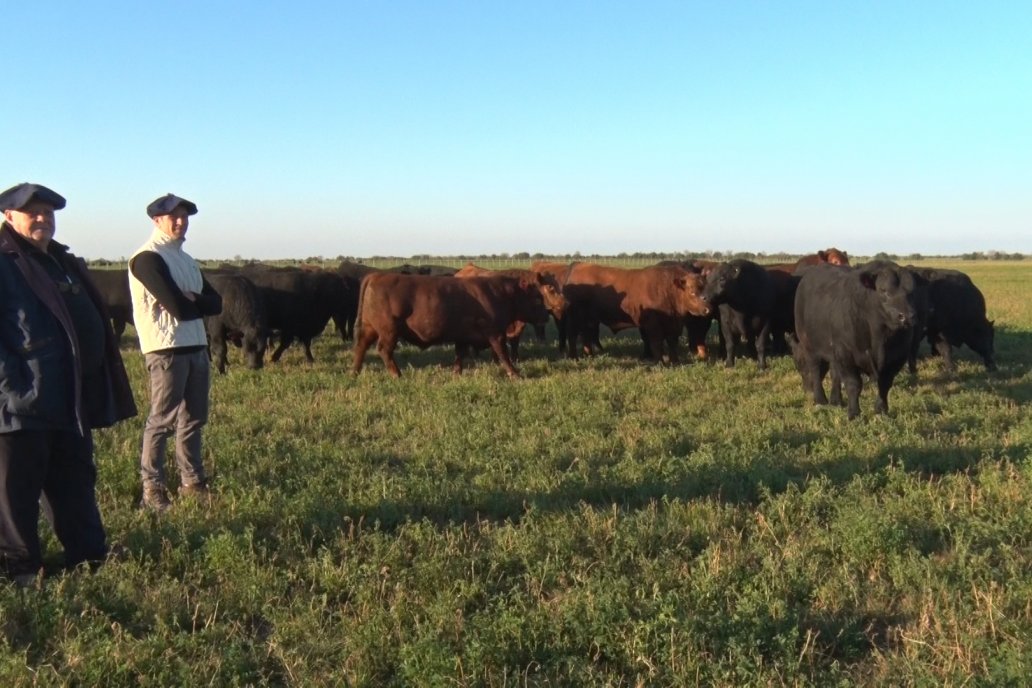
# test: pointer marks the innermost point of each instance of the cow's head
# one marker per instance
(895, 290)
(691, 300)
(551, 293)
(705, 267)
(254, 351)
(530, 303)
(720, 282)
(833, 256)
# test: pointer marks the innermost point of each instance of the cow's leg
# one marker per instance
(915, 348)
(884, 385)
(362, 343)
(308, 350)
(697, 327)
(341, 323)
(561, 326)
(498, 346)
(778, 341)
(816, 370)
(646, 347)
(461, 351)
(652, 335)
(514, 347)
(218, 351)
(854, 385)
(571, 330)
(673, 346)
(729, 341)
(512, 339)
(761, 345)
(942, 345)
(836, 387)
(802, 364)
(217, 345)
(721, 341)
(593, 338)
(285, 340)
(386, 348)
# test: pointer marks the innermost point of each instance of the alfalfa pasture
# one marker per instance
(598, 522)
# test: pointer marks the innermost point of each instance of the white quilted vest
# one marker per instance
(155, 326)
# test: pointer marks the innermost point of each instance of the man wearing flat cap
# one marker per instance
(61, 375)
(170, 299)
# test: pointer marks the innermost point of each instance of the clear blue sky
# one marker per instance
(402, 128)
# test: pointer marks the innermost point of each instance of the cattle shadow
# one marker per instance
(1014, 358)
(730, 485)
(847, 635)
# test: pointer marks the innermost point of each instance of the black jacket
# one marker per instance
(40, 375)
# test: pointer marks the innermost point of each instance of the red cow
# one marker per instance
(426, 310)
(831, 256)
(655, 299)
(550, 294)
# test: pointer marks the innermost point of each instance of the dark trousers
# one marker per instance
(57, 466)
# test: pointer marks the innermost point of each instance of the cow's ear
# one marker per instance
(867, 279)
(680, 282)
(539, 278)
(823, 255)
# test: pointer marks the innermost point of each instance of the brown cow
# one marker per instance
(831, 256)
(698, 326)
(655, 299)
(426, 310)
(550, 293)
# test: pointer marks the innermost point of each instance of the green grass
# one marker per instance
(598, 522)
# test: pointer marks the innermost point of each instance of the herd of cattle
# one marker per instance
(828, 315)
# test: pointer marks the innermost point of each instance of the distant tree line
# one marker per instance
(526, 257)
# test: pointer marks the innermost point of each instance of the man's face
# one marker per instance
(174, 224)
(35, 222)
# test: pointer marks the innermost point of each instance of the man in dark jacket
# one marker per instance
(60, 376)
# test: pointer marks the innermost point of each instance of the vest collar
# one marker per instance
(159, 238)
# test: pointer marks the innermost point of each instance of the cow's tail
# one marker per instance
(358, 311)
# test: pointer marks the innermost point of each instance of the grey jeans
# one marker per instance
(179, 404)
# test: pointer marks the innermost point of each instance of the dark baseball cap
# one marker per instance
(169, 202)
(21, 195)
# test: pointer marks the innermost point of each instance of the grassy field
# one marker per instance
(599, 522)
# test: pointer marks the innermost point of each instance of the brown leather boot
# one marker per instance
(198, 491)
(155, 499)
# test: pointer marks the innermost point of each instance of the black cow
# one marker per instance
(854, 321)
(113, 286)
(352, 274)
(753, 303)
(298, 303)
(338, 294)
(956, 316)
(243, 319)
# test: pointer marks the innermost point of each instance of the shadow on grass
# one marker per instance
(728, 485)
